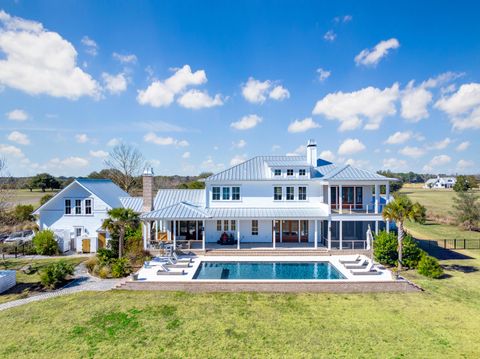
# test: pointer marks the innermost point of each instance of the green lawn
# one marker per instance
(442, 322)
(24, 196)
(28, 284)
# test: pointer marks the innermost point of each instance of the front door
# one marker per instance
(102, 240)
(290, 231)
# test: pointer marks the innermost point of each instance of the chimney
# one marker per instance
(312, 153)
(148, 190)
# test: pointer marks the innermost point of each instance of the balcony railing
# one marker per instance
(357, 209)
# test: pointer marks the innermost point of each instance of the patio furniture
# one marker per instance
(166, 271)
(351, 261)
(364, 262)
(369, 270)
(176, 258)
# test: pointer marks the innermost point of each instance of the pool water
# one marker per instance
(267, 270)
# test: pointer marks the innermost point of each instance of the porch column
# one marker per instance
(174, 235)
(340, 234)
(144, 235)
(329, 196)
(196, 230)
(203, 235)
(281, 231)
(340, 201)
(388, 226)
(238, 234)
(169, 230)
(377, 197)
(273, 233)
(149, 232)
(316, 235)
(157, 222)
(387, 192)
(376, 227)
(329, 234)
(299, 230)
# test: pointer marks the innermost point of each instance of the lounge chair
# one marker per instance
(178, 265)
(364, 262)
(177, 259)
(166, 271)
(351, 261)
(366, 271)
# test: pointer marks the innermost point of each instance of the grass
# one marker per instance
(24, 196)
(437, 231)
(441, 322)
(29, 284)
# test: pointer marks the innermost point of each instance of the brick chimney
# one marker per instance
(148, 190)
(312, 153)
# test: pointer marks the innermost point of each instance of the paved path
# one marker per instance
(83, 281)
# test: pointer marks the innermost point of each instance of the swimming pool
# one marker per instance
(267, 271)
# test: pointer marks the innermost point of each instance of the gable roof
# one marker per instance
(182, 209)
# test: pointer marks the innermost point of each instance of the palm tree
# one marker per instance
(400, 210)
(118, 221)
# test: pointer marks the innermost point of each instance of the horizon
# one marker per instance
(199, 87)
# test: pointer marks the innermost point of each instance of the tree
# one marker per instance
(464, 183)
(119, 221)
(394, 186)
(23, 212)
(45, 199)
(466, 209)
(400, 210)
(44, 181)
(125, 163)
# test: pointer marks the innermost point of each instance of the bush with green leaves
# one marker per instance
(385, 250)
(120, 268)
(45, 199)
(429, 267)
(23, 212)
(45, 243)
(412, 254)
(55, 273)
(105, 256)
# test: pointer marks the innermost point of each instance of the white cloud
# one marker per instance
(302, 125)
(70, 162)
(17, 115)
(394, 164)
(162, 93)
(236, 160)
(399, 137)
(300, 150)
(195, 99)
(151, 137)
(113, 142)
(246, 122)
(440, 145)
(356, 163)
(210, 165)
(349, 108)
(81, 138)
(372, 57)
(114, 84)
(437, 161)
(18, 137)
(463, 164)
(186, 155)
(38, 61)
(350, 146)
(415, 101)
(9, 150)
(410, 151)
(239, 144)
(327, 155)
(330, 36)
(125, 58)
(279, 93)
(323, 74)
(90, 45)
(463, 106)
(463, 146)
(99, 154)
(275, 148)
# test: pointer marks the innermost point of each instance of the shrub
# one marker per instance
(45, 243)
(105, 256)
(90, 264)
(104, 272)
(45, 199)
(23, 212)
(120, 268)
(412, 254)
(385, 248)
(429, 267)
(55, 273)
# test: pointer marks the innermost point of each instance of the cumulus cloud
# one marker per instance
(464, 164)
(210, 165)
(125, 58)
(300, 150)
(38, 61)
(19, 137)
(239, 144)
(195, 99)
(69, 162)
(463, 146)
(114, 84)
(256, 91)
(11, 151)
(82, 138)
(17, 115)
(330, 36)
(437, 161)
(114, 142)
(246, 122)
(186, 155)
(91, 46)
(236, 160)
(327, 155)
(350, 107)
(372, 57)
(151, 137)
(302, 125)
(162, 93)
(412, 151)
(99, 154)
(415, 101)
(350, 146)
(462, 106)
(323, 74)
(394, 164)
(440, 145)
(398, 137)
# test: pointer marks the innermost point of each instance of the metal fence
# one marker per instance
(456, 243)
(16, 249)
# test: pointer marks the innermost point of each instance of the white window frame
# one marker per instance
(81, 207)
(299, 198)
(226, 193)
(233, 225)
(286, 193)
(69, 207)
(91, 206)
(277, 170)
(254, 227)
(302, 172)
(82, 231)
(281, 193)
(239, 193)
(219, 225)
(290, 170)
(219, 193)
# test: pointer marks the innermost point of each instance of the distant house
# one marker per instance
(440, 182)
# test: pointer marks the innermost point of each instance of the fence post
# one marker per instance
(15, 251)
(445, 243)
(455, 243)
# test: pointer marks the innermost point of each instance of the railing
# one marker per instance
(354, 209)
(456, 243)
(349, 244)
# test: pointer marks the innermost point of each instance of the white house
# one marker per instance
(267, 201)
(440, 182)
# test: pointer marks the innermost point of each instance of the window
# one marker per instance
(233, 225)
(78, 206)
(236, 193)
(277, 193)
(254, 227)
(290, 194)
(226, 193)
(225, 225)
(289, 172)
(277, 172)
(68, 206)
(78, 231)
(359, 196)
(302, 193)
(216, 193)
(219, 225)
(302, 172)
(88, 206)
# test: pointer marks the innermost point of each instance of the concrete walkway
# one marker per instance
(83, 282)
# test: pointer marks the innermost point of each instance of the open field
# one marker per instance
(29, 283)
(24, 196)
(441, 322)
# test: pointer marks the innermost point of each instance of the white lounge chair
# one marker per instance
(366, 271)
(176, 258)
(364, 262)
(351, 261)
(166, 271)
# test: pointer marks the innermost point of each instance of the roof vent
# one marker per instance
(148, 171)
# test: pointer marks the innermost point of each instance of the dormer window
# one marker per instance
(302, 172)
(289, 172)
(277, 172)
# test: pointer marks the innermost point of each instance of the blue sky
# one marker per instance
(199, 86)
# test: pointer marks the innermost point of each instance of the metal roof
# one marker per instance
(182, 210)
(281, 213)
(349, 173)
(284, 163)
(167, 197)
(104, 189)
(134, 203)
